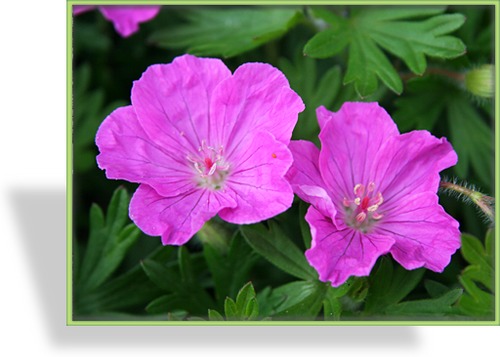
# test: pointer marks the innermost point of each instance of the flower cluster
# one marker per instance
(202, 141)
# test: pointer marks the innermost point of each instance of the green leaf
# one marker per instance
(478, 277)
(421, 108)
(185, 266)
(366, 63)
(230, 309)
(229, 270)
(163, 277)
(131, 290)
(109, 241)
(436, 307)
(304, 226)
(273, 245)
(164, 304)
(472, 139)
(299, 300)
(317, 84)
(245, 295)
(389, 285)
(87, 116)
(227, 32)
(332, 306)
(370, 29)
(469, 130)
(191, 294)
(246, 306)
(332, 41)
(213, 315)
(435, 289)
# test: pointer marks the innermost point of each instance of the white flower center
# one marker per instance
(362, 211)
(209, 165)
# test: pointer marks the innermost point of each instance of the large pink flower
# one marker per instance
(202, 141)
(125, 18)
(372, 191)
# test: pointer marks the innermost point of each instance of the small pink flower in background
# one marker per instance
(202, 141)
(372, 191)
(125, 18)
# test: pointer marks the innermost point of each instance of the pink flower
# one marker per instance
(202, 141)
(372, 191)
(125, 18)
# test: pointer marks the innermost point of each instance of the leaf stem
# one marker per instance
(457, 76)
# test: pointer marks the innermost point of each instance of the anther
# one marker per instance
(359, 190)
(360, 217)
(376, 216)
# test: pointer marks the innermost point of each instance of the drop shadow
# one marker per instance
(41, 215)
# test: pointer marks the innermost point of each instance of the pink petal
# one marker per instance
(126, 19)
(80, 9)
(175, 218)
(305, 178)
(426, 236)
(126, 152)
(409, 164)
(256, 98)
(339, 254)
(350, 141)
(257, 179)
(323, 115)
(172, 100)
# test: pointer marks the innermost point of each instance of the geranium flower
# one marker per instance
(202, 141)
(125, 18)
(372, 191)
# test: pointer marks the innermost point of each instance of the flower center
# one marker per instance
(362, 211)
(209, 165)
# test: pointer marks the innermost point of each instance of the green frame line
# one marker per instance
(69, 165)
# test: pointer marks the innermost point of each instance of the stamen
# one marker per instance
(371, 187)
(346, 202)
(372, 208)
(378, 199)
(357, 201)
(359, 190)
(212, 169)
(360, 217)
(376, 216)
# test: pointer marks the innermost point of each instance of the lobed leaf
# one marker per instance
(478, 277)
(389, 285)
(368, 30)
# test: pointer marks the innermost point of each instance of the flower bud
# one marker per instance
(481, 81)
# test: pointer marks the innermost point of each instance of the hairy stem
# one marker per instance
(469, 194)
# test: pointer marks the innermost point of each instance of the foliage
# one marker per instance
(226, 32)
(478, 277)
(368, 29)
(412, 60)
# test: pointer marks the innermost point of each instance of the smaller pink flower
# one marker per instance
(125, 18)
(372, 191)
